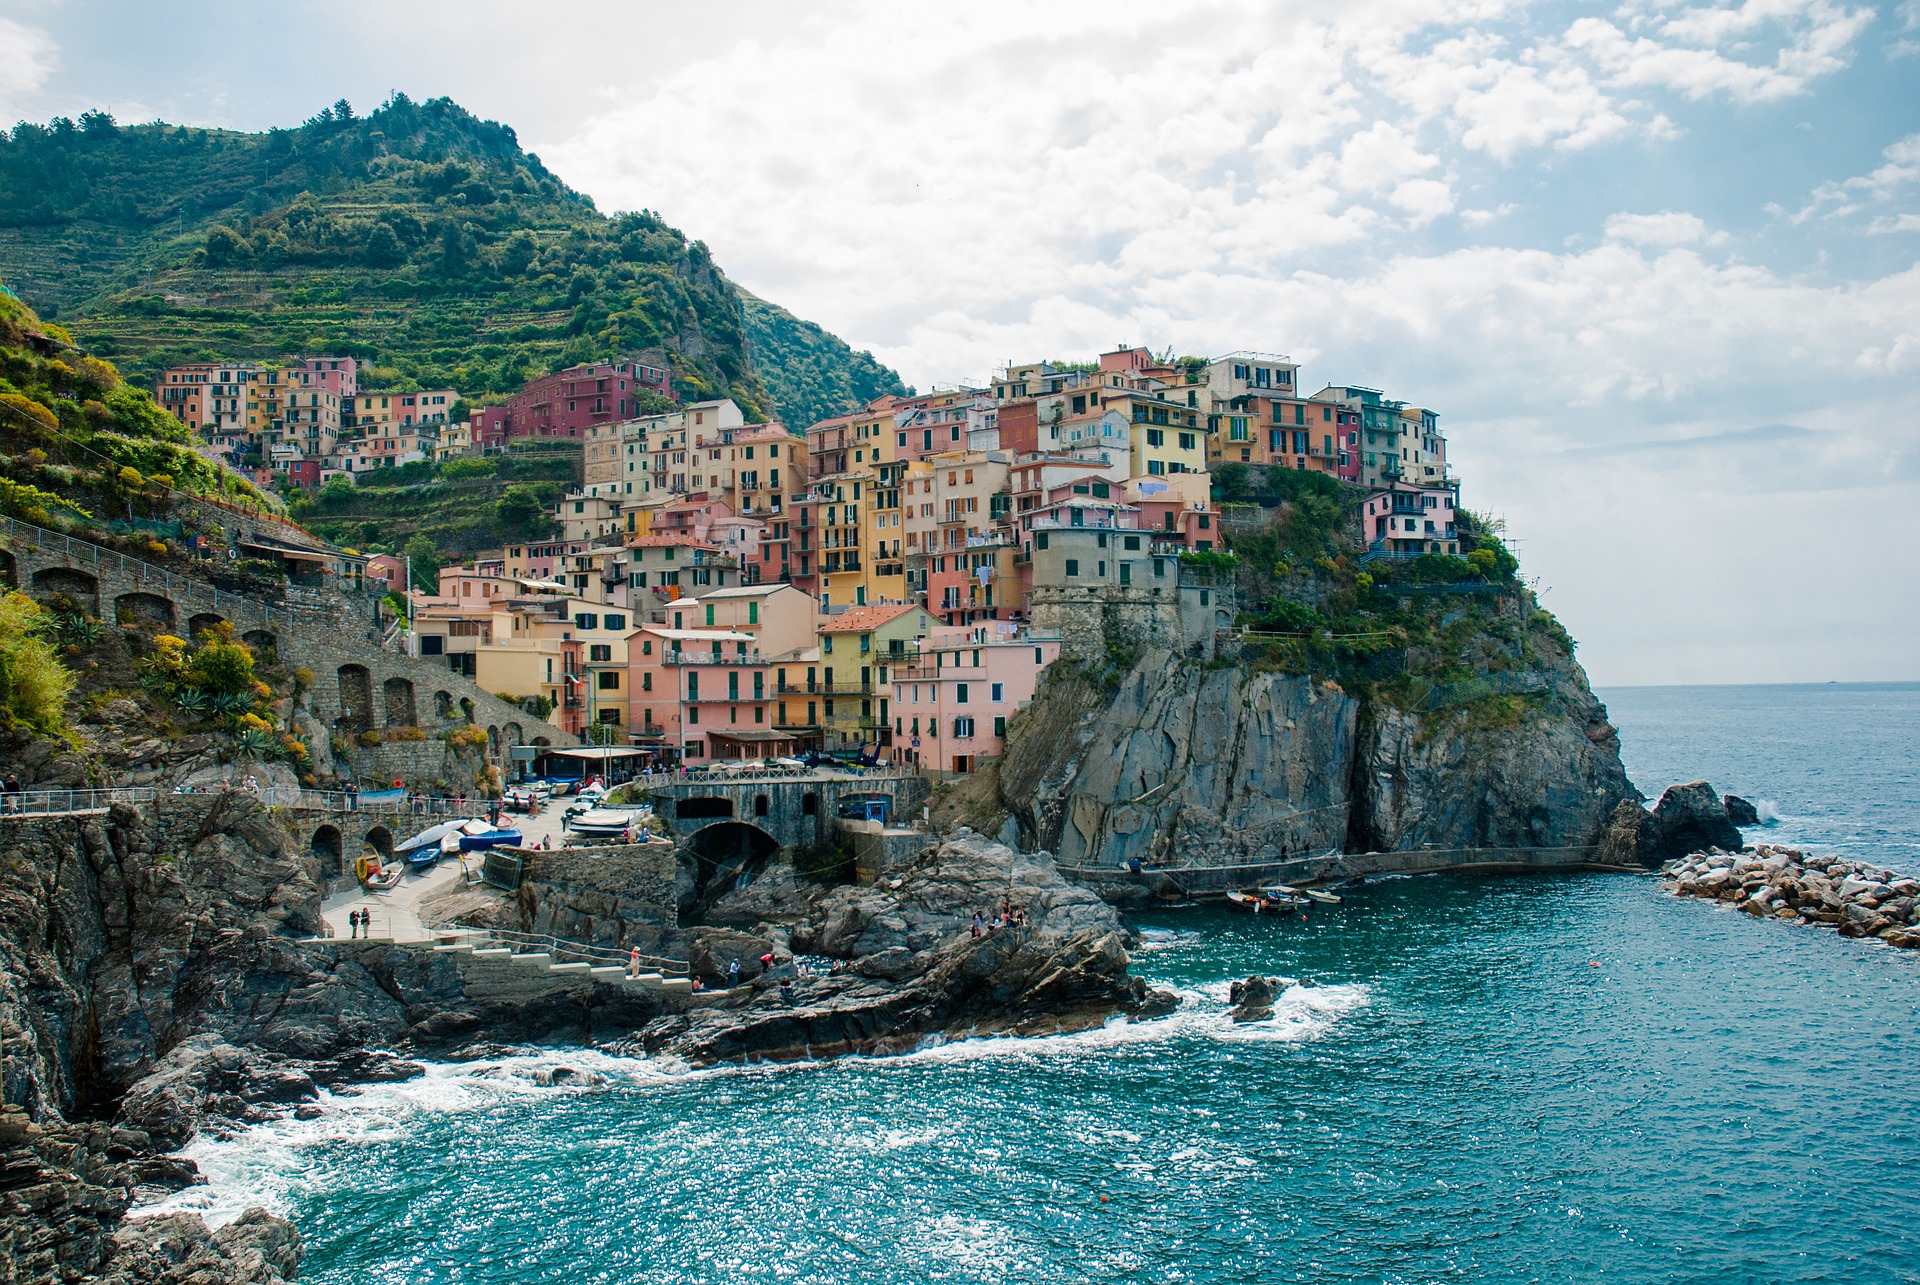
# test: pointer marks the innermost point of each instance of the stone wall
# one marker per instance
(1095, 622)
(797, 812)
(619, 896)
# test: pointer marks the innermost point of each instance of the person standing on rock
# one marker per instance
(979, 924)
(733, 974)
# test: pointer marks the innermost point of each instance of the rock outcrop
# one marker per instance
(1687, 818)
(1045, 956)
(1191, 763)
(1740, 811)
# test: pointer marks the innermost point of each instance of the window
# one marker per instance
(432, 645)
(999, 692)
(1040, 540)
(960, 693)
(753, 613)
(999, 726)
(693, 687)
(608, 680)
(600, 652)
(614, 621)
(709, 615)
(586, 620)
(1073, 566)
(1156, 438)
(646, 680)
(963, 727)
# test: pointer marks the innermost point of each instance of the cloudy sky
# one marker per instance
(1655, 264)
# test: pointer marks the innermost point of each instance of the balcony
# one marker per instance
(715, 658)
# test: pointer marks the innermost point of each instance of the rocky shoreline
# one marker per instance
(1787, 884)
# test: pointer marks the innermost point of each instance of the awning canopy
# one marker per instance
(753, 736)
(595, 753)
(286, 551)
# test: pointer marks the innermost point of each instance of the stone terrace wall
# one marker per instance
(620, 895)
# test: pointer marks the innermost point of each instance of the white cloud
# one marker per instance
(1816, 39)
(1849, 196)
(1669, 227)
(28, 57)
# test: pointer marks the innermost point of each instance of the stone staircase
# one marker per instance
(553, 955)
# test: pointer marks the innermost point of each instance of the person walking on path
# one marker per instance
(13, 793)
(353, 797)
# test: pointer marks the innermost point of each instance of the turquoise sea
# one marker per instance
(1546, 1079)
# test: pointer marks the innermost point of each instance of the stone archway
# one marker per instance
(327, 849)
(356, 698)
(724, 856)
(493, 742)
(762, 805)
(467, 709)
(515, 734)
(380, 839)
(201, 621)
(82, 588)
(9, 571)
(443, 705)
(262, 641)
(400, 711)
(143, 611)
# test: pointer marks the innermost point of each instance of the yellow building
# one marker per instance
(858, 650)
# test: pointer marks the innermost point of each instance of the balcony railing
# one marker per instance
(715, 658)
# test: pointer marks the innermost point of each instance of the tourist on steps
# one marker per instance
(633, 962)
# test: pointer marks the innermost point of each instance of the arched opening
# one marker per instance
(9, 571)
(356, 698)
(467, 709)
(542, 741)
(809, 804)
(761, 805)
(725, 857)
(442, 705)
(327, 850)
(702, 808)
(380, 839)
(515, 734)
(264, 642)
(493, 742)
(200, 622)
(400, 712)
(143, 611)
(82, 588)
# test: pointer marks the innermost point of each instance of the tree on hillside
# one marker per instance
(423, 561)
(383, 247)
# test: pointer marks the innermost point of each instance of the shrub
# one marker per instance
(34, 685)
(221, 665)
(368, 738)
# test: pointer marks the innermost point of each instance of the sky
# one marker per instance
(1655, 265)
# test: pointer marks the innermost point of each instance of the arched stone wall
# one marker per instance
(201, 621)
(400, 711)
(143, 611)
(356, 698)
(77, 585)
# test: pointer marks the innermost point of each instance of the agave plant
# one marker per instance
(257, 743)
(71, 628)
(232, 704)
(192, 700)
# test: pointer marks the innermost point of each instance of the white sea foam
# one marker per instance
(264, 1165)
(1769, 811)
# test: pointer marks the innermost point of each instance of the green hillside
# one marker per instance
(418, 238)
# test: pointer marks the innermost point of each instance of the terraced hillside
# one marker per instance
(418, 238)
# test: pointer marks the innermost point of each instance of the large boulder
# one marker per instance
(1688, 818)
(1741, 812)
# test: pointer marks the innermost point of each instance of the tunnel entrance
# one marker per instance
(721, 858)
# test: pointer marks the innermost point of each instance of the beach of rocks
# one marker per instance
(1772, 882)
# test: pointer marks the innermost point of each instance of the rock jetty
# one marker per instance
(1772, 882)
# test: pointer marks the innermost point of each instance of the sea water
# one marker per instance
(1505, 1079)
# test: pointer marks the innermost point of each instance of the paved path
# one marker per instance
(395, 911)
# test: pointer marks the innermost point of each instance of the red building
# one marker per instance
(564, 403)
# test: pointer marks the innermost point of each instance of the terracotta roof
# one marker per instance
(862, 620)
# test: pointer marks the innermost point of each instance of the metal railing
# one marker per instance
(26, 803)
(579, 951)
(172, 584)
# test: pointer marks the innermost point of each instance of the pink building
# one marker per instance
(567, 402)
(1412, 519)
(951, 707)
(337, 375)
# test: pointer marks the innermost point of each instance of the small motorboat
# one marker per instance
(1322, 896)
(385, 878)
(1307, 894)
(425, 858)
(490, 839)
(1262, 901)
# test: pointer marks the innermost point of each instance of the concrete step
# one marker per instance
(493, 952)
(448, 948)
(607, 973)
(575, 967)
(677, 985)
(534, 959)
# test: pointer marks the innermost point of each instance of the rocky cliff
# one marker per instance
(1233, 760)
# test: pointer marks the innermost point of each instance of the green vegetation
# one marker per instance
(459, 506)
(418, 238)
(77, 441)
(811, 374)
(1397, 632)
(34, 685)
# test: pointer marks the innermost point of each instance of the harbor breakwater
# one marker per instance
(1856, 898)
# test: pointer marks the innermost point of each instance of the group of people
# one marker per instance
(361, 922)
(1009, 917)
